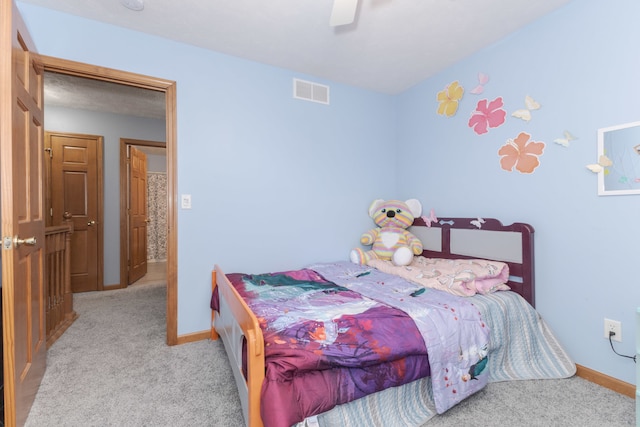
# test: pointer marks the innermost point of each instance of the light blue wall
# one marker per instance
(269, 174)
(581, 64)
(156, 163)
(275, 182)
(112, 127)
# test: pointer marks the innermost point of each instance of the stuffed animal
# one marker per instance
(390, 241)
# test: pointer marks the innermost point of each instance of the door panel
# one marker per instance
(76, 189)
(137, 215)
(22, 196)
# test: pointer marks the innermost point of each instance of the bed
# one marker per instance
(389, 350)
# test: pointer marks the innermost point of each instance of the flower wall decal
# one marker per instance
(449, 99)
(487, 115)
(521, 153)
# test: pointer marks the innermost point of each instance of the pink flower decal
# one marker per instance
(521, 153)
(486, 116)
(449, 99)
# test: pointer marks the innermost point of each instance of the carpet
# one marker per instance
(112, 367)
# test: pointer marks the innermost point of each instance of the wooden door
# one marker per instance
(137, 215)
(22, 196)
(76, 188)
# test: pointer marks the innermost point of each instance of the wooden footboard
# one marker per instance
(235, 324)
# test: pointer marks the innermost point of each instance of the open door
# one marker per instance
(138, 219)
(23, 222)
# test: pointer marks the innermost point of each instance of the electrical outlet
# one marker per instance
(615, 327)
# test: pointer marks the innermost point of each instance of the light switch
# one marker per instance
(186, 201)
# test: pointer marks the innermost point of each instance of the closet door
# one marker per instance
(138, 219)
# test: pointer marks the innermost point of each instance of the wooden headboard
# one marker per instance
(485, 238)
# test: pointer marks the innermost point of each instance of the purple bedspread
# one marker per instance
(326, 344)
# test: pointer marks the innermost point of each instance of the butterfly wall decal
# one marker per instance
(566, 139)
(483, 79)
(603, 163)
(478, 222)
(525, 113)
(430, 219)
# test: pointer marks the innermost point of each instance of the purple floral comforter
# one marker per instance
(336, 332)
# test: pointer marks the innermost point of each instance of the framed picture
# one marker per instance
(619, 160)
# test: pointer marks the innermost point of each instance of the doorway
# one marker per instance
(153, 241)
(169, 88)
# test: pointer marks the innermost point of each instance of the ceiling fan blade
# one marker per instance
(343, 13)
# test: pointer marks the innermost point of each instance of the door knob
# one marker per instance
(30, 241)
(90, 223)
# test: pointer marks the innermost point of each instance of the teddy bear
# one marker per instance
(390, 240)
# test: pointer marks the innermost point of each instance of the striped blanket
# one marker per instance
(528, 351)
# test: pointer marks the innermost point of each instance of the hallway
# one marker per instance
(156, 274)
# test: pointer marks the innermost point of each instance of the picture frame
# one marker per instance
(619, 159)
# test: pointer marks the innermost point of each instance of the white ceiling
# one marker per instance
(391, 46)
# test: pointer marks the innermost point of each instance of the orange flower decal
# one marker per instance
(521, 153)
(449, 98)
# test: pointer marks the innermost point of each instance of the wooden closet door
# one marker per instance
(76, 165)
(138, 219)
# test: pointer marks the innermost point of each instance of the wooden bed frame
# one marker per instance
(486, 239)
(448, 238)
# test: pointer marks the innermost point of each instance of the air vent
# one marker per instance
(310, 91)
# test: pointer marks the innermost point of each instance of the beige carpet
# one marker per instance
(113, 368)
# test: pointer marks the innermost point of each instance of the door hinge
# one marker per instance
(50, 151)
(7, 243)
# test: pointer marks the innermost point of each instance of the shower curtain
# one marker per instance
(157, 212)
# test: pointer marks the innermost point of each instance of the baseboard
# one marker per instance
(71, 317)
(606, 381)
(193, 337)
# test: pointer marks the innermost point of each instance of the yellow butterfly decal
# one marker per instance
(603, 162)
(525, 113)
(565, 141)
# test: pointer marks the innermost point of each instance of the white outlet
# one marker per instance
(615, 327)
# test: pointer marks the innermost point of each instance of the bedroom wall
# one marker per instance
(112, 127)
(275, 182)
(581, 65)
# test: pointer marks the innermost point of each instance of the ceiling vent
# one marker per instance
(310, 91)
